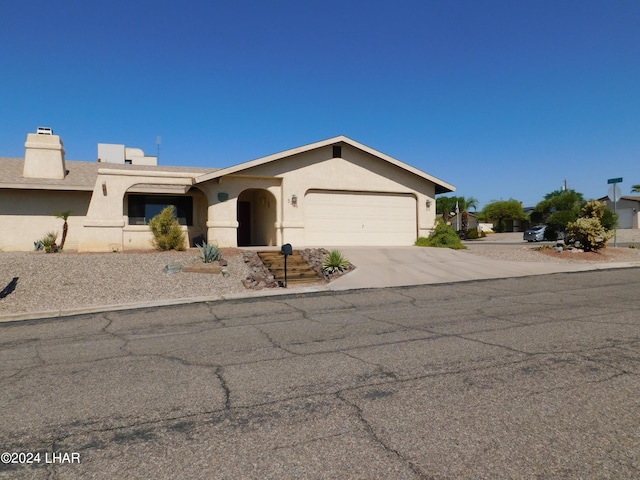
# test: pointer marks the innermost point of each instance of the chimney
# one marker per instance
(44, 156)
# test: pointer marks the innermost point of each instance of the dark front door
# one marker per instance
(244, 227)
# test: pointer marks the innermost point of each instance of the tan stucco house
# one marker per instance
(330, 193)
(628, 210)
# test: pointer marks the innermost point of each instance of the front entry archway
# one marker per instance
(256, 216)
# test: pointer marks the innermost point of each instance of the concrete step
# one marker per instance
(298, 270)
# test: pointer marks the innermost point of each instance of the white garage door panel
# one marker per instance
(352, 218)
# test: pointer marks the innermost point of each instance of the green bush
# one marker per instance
(472, 234)
(209, 253)
(167, 232)
(335, 262)
(443, 236)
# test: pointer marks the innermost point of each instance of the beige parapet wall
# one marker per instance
(104, 223)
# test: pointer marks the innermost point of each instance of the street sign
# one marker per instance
(614, 193)
(615, 180)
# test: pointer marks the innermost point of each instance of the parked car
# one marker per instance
(535, 234)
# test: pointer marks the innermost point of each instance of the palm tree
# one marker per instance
(65, 228)
(635, 188)
(465, 205)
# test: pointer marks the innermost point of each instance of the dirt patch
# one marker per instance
(610, 254)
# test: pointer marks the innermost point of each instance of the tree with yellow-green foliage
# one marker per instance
(167, 232)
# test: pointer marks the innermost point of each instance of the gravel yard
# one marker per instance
(528, 253)
(71, 280)
(38, 282)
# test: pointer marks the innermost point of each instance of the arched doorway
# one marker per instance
(256, 215)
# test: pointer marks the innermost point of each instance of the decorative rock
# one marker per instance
(261, 277)
(203, 268)
(172, 268)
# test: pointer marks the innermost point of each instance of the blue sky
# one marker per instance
(503, 99)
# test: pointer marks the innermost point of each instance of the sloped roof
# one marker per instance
(81, 176)
(441, 186)
(624, 197)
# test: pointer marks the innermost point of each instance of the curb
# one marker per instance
(58, 313)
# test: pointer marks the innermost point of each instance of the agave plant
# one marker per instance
(335, 262)
(209, 253)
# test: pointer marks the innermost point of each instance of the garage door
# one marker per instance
(359, 218)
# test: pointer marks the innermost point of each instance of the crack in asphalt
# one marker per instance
(376, 438)
(225, 388)
(273, 342)
(393, 379)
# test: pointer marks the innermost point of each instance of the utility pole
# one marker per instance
(158, 142)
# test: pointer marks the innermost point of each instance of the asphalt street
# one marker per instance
(529, 377)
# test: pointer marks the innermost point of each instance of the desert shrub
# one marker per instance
(588, 229)
(589, 232)
(443, 236)
(209, 253)
(48, 242)
(335, 262)
(167, 232)
(472, 234)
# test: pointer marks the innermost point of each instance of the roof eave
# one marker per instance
(441, 186)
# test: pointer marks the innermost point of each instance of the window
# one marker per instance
(337, 151)
(143, 208)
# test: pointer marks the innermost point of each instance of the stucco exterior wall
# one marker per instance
(628, 212)
(314, 170)
(27, 215)
(44, 157)
(104, 224)
(139, 237)
(223, 196)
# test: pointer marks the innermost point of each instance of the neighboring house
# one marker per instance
(628, 210)
(330, 193)
(456, 221)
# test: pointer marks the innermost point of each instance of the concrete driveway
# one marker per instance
(399, 266)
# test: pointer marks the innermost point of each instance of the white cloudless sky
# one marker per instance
(501, 98)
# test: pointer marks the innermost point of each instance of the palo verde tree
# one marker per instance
(563, 207)
(502, 211)
(557, 210)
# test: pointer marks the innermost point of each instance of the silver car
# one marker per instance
(535, 234)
